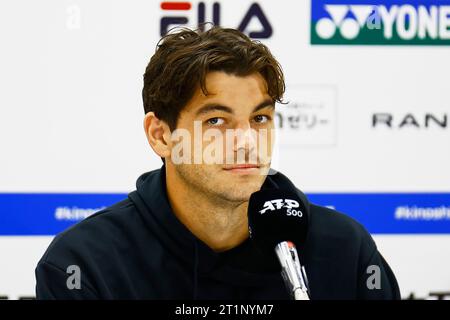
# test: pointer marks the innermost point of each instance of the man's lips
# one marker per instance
(242, 167)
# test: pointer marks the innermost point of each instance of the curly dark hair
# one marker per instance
(184, 57)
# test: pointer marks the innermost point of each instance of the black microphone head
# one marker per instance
(274, 216)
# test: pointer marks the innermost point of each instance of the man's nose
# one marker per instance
(244, 137)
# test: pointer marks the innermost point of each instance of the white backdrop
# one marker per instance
(71, 118)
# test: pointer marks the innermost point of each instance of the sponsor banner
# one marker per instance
(393, 213)
(380, 213)
(388, 22)
(48, 213)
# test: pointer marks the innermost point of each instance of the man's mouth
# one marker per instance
(243, 168)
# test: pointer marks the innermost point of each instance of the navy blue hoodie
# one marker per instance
(138, 249)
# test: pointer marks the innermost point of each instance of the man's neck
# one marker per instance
(220, 224)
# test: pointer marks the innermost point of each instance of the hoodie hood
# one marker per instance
(239, 266)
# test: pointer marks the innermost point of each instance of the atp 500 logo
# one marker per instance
(277, 204)
(181, 13)
(369, 22)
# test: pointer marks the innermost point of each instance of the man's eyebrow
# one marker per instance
(264, 104)
(209, 107)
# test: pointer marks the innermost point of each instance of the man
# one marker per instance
(183, 234)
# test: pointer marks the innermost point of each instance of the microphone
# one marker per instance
(278, 225)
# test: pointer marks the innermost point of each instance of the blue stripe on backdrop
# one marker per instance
(393, 213)
(381, 213)
(48, 213)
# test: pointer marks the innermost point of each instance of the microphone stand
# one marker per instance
(293, 273)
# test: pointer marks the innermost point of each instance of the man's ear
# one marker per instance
(158, 135)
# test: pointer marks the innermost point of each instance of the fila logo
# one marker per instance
(277, 204)
(183, 10)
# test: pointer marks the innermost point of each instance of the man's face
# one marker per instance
(237, 116)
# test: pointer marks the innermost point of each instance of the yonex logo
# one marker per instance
(359, 22)
(339, 20)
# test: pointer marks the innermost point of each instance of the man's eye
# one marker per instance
(215, 121)
(261, 119)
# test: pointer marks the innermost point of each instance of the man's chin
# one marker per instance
(241, 186)
(237, 196)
